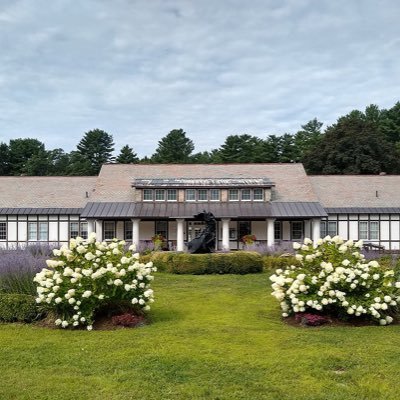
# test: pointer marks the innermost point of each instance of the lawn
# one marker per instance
(211, 337)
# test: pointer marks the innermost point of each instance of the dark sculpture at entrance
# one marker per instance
(205, 242)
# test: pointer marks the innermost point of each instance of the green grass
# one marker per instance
(212, 337)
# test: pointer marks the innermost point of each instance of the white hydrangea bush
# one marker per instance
(332, 277)
(88, 275)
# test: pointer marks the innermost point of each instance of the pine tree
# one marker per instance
(127, 156)
(174, 148)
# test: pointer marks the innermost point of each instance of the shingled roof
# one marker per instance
(357, 191)
(48, 192)
(291, 182)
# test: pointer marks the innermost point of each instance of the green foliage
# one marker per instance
(241, 148)
(127, 156)
(17, 307)
(97, 147)
(272, 263)
(4, 159)
(174, 148)
(25, 155)
(240, 262)
(354, 145)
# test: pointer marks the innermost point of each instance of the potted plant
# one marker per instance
(158, 241)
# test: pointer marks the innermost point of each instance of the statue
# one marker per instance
(205, 242)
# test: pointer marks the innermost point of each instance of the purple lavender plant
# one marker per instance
(19, 266)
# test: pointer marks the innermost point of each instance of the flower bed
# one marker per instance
(88, 276)
(333, 277)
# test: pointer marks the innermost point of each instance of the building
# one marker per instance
(275, 202)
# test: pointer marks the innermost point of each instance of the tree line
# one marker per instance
(361, 142)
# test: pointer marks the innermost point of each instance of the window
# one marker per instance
(258, 194)
(232, 234)
(190, 195)
(160, 194)
(368, 230)
(38, 231)
(3, 230)
(244, 228)
(32, 230)
(246, 194)
(128, 230)
(78, 229)
(278, 230)
(147, 194)
(328, 228)
(109, 230)
(214, 194)
(233, 195)
(297, 230)
(171, 195)
(161, 228)
(202, 194)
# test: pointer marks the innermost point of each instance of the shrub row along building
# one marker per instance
(274, 202)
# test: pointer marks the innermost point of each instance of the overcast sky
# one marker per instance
(140, 68)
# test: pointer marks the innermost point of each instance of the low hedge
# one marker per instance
(239, 262)
(17, 307)
(272, 263)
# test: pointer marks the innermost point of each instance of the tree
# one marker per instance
(354, 145)
(21, 151)
(97, 147)
(390, 124)
(78, 165)
(307, 138)
(241, 149)
(174, 148)
(127, 156)
(4, 159)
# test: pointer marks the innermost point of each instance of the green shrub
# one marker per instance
(275, 262)
(240, 262)
(17, 307)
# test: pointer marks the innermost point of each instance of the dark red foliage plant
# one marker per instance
(128, 320)
(311, 319)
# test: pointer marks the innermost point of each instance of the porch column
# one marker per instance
(316, 229)
(270, 232)
(99, 230)
(91, 223)
(135, 232)
(180, 245)
(225, 234)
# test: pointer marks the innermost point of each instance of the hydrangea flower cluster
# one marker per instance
(333, 277)
(88, 275)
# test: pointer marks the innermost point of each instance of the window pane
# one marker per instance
(374, 230)
(171, 195)
(244, 228)
(148, 194)
(332, 228)
(73, 229)
(297, 230)
(363, 230)
(323, 230)
(109, 230)
(160, 194)
(3, 230)
(246, 194)
(278, 230)
(43, 230)
(190, 195)
(162, 228)
(214, 194)
(84, 230)
(258, 194)
(32, 230)
(233, 194)
(203, 194)
(128, 230)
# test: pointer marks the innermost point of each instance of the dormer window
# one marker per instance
(160, 194)
(202, 194)
(233, 195)
(214, 194)
(246, 194)
(148, 194)
(258, 194)
(190, 195)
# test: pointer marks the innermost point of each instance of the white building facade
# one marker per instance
(277, 203)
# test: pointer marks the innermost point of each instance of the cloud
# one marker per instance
(139, 69)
